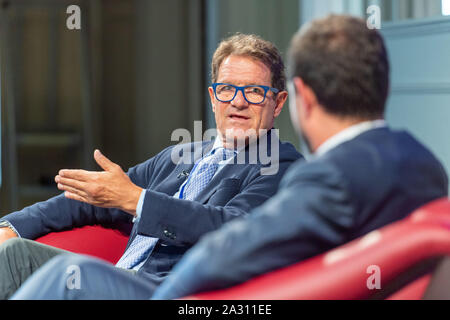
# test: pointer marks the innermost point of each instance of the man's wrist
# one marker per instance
(132, 205)
(6, 226)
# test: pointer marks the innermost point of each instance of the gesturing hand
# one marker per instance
(111, 188)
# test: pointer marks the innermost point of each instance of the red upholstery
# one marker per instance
(107, 244)
(342, 273)
(437, 211)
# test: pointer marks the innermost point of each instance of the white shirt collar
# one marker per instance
(218, 143)
(348, 134)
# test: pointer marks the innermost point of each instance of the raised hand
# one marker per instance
(110, 188)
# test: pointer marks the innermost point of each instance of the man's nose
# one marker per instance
(239, 101)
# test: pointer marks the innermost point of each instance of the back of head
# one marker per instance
(345, 64)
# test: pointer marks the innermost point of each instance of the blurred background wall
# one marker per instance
(139, 69)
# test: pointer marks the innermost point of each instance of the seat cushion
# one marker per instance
(106, 244)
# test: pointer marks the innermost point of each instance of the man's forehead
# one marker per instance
(244, 70)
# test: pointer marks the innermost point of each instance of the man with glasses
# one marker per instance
(172, 204)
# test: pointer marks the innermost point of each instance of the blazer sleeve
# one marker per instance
(308, 216)
(60, 213)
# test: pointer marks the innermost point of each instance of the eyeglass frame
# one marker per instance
(238, 88)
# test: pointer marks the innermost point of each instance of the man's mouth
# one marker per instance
(238, 117)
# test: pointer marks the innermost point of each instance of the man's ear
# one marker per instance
(306, 95)
(280, 101)
(212, 98)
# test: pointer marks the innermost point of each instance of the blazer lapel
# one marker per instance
(227, 172)
(182, 170)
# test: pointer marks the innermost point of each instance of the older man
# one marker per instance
(171, 204)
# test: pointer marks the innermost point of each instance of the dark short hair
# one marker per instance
(345, 63)
(255, 47)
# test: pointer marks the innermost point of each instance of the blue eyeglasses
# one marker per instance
(253, 94)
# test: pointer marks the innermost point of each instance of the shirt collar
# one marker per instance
(218, 143)
(348, 134)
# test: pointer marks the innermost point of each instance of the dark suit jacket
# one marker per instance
(361, 185)
(232, 192)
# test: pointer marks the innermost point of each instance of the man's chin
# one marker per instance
(236, 138)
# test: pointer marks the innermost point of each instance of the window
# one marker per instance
(446, 7)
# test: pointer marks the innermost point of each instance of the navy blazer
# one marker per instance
(233, 192)
(377, 178)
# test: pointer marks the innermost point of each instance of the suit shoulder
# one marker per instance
(383, 159)
(383, 148)
(317, 171)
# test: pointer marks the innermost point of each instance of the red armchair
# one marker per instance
(106, 244)
(405, 254)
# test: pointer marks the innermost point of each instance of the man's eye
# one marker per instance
(226, 88)
(256, 90)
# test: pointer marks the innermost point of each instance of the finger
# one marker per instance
(81, 175)
(80, 193)
(74, 196)
(80, 185)
(103, 161)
